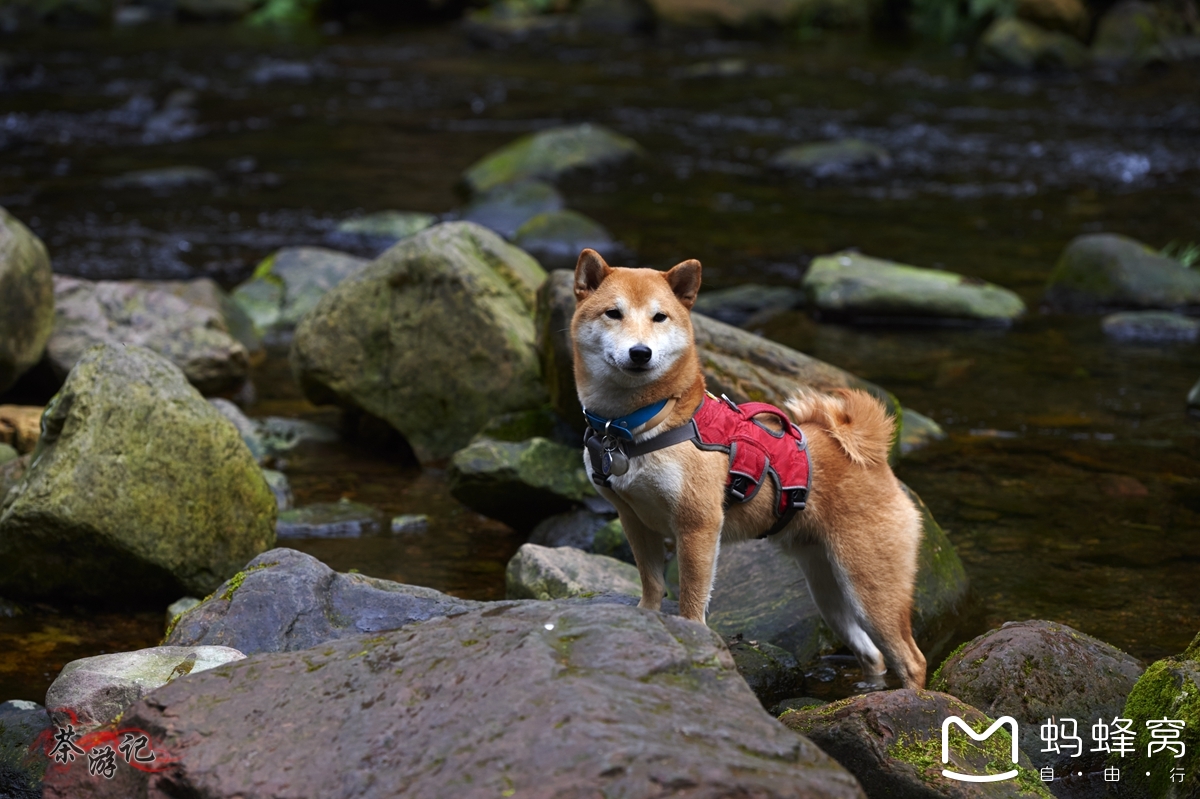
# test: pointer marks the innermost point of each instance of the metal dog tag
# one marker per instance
(613, 461)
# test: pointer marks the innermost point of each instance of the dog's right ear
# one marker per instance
(590, 271)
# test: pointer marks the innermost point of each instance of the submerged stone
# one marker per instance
(27, 286)
(390, 225)
(550, 154)
(1150, 326)
(508, 206)
(749, 304)
(825, 159)
(164, 179)
(1105, 270)
(343, 519)
(556, 238)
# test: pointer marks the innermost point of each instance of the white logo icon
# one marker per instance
(954, 775)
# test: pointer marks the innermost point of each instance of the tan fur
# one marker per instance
(858, 538)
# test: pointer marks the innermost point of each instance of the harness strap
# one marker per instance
(595, 447)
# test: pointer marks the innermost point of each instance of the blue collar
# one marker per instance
(623, 426)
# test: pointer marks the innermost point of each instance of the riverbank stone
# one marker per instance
(27, 286)
(830, 158)
(1151, 327)
(204, 292)
(1018, 45)
(508, 206)
(289, 283)
(139, 490)
(855, 287)
(519, 483)
(550, 155)
(1106, 270)
(21, 766)
(434, 338)
(124, 313)
(570, 698)
(93, 691)
(285, 600)
(1035, 670)
(891, 741)
(555, 238)
(538, 572)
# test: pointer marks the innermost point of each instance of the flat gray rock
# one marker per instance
(1105, 270)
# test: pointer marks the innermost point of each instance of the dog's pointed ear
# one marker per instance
(590, 271)
(684, 280)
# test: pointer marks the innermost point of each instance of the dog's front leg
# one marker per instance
(697, 542)
(648, 550)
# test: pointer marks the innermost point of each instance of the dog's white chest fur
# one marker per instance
(652, 487)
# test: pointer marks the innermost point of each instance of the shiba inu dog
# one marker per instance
(652, 454)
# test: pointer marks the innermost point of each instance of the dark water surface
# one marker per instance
(1070, 481)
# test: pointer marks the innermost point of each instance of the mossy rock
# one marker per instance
(1105, 270)
(138, 491)
(1018, 45)
(508, 206)
(555, 238)
(537, 572)
(27, 286)
(551, 154)
(289, 283)
(389, 225)
(827, 158)
(435, 338)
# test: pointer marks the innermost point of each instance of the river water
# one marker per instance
(1070, 478)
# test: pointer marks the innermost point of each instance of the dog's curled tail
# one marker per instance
(852, 417)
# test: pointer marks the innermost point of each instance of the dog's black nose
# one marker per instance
(639, 354)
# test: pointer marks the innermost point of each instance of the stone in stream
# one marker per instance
(342, 519)
(826, 159)
(1105, 270)
(757, 14)
(273, 436)
(179, 607)
(139, 490)
(125, 313)
(204, 292)
(508, 206)
(1151, 327)
(280, 489)
(1066, 16)
(389, 226)
(555, 238)
(1018, 45)
(27, 286)
(519, 483)
(1035, 670)
(1193, 399)
(550, 155)
(748, 304)
(22, 725)
(164, 179)
(891, 741)
(538, 572)
(285, 600)
(435, 338)
(586, 530)
(95, 690)
(532, 698)
(289, 283)
(1136, 33)
(849, 285)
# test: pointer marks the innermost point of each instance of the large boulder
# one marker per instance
(22, 724)
(551, 154)
(93, 691)
(852, 286)
(1037, 670)
(508, 206)
(762, 595)
(519, 483)
(1105, 270)
(555, 238)
(1135, 32)
(1169, 689)
(289, 283)
(527, 698)
(285, 600)
(435, 337)
(124, 313)
(891, 741)
(1015, 44)
(1066, 16)
(537, 572)
(139, 490)
(26, 284)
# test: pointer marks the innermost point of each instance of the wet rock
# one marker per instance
(289, 283)
(205, 293)
(245, 427)
(164, 179)
(1193, 404)
(273, 70)
(576, 529)
(20, 426)
(140, 490)
(519, 483)
(7, 455)
(435, 338)
(1135, 32)
(853, 286)
(534, 423)
(273, 436)
(179, 607)
(342, 519)
(537, 572)
(503, 24)
(719, 68)
(550, 154)
(21, 724)
(1014, 44)
(285, 600)
(27, 286)
(891, 741)
(749, 304)
(11, 472)
(773, 674)
(556, 238)
(826, 159)
(384, 228)
(93, 691)
(508, 206)
(280, 489)
(122, 313)
(1065, 16)
(570, 698)
(1150, 326)
(1169, 689)
(918, 431)
(762, 595)
(1035, 670)
(410, 523)
(1105, 270)
(735, 362)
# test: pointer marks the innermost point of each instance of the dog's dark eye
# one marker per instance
(660, 317)
(613, 313)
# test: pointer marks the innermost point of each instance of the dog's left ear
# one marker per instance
(684, 280)
(590, 271)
